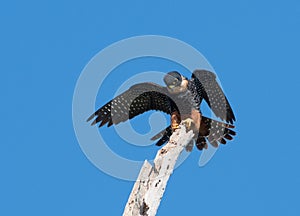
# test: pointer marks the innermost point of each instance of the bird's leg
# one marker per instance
(175, 120)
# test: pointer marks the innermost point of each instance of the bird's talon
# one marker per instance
(188, 123)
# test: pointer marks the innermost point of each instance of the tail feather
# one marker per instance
(164, 136)
(216, 132)
(213, 131)
(201, 143)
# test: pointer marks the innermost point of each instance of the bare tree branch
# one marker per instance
(149, 188)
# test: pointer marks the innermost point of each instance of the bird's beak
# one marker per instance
(171, 86)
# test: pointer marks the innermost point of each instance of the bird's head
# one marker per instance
(175, 82)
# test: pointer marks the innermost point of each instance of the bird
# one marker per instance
(181, 99)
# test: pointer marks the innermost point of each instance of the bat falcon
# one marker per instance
(181, 99)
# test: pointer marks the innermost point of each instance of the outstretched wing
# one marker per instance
(209, 89)
(136, 100)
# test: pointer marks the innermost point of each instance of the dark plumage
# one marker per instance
(209, 89)
(181, 99)
(173, 78)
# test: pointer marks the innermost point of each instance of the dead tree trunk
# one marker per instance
(149, 188)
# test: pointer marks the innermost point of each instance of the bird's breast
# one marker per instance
(186, 102)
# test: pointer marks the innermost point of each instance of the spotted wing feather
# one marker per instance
(210, 90)
(136, 100)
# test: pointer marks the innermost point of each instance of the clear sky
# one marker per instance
(252, 45)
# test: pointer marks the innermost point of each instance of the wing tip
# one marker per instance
(91, 117)
(94, 122)
(153, 138)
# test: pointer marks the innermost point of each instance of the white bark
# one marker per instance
(149, 188)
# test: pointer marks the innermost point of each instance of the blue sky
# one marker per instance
(252, 45)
